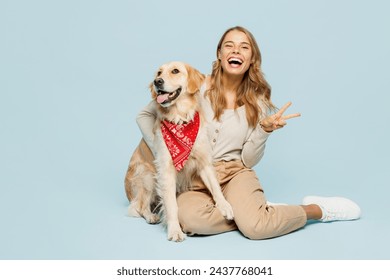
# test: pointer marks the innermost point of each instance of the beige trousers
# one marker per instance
(252, 217)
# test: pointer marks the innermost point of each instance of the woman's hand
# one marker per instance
(276, 121)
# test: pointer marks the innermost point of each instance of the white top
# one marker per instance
(231, 138)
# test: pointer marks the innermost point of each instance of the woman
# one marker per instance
(237, 105)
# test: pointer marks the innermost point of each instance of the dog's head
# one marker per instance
(173, 81)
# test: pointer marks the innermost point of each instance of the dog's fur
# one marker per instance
(152, 182)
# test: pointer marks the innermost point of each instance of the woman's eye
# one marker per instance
(175, 71)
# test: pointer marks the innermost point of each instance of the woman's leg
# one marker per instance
(313, 211)
(198, 214)
(253, 217)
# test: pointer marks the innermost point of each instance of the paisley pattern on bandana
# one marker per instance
(180, 139)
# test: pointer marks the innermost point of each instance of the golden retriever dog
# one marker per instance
(181, 151)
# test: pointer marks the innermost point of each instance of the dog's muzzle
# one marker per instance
(165, 97)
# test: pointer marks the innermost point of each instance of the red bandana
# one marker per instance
(180, 139)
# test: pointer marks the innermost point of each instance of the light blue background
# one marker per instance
(74, 75)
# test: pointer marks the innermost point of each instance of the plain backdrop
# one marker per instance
(75, 74)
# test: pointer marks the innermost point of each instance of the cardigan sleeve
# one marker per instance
(253, 148)
(145, 121)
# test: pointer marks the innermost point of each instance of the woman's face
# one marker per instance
(235, 53)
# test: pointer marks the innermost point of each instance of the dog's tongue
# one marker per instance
(162, 97)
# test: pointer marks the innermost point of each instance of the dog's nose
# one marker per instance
(158, 82)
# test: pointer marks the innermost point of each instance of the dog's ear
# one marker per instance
(195, 79)
(152, 91)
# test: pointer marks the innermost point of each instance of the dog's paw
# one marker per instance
(132, 211)
(226, 209)
(152, 219)
(176, 234)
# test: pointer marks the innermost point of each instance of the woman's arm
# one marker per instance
(253, 148)
(146, 120)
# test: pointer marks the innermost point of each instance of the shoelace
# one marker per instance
(333, 216)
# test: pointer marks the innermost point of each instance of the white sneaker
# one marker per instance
(274, 203)
(334, 208)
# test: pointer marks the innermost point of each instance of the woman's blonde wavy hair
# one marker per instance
(253, 86)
